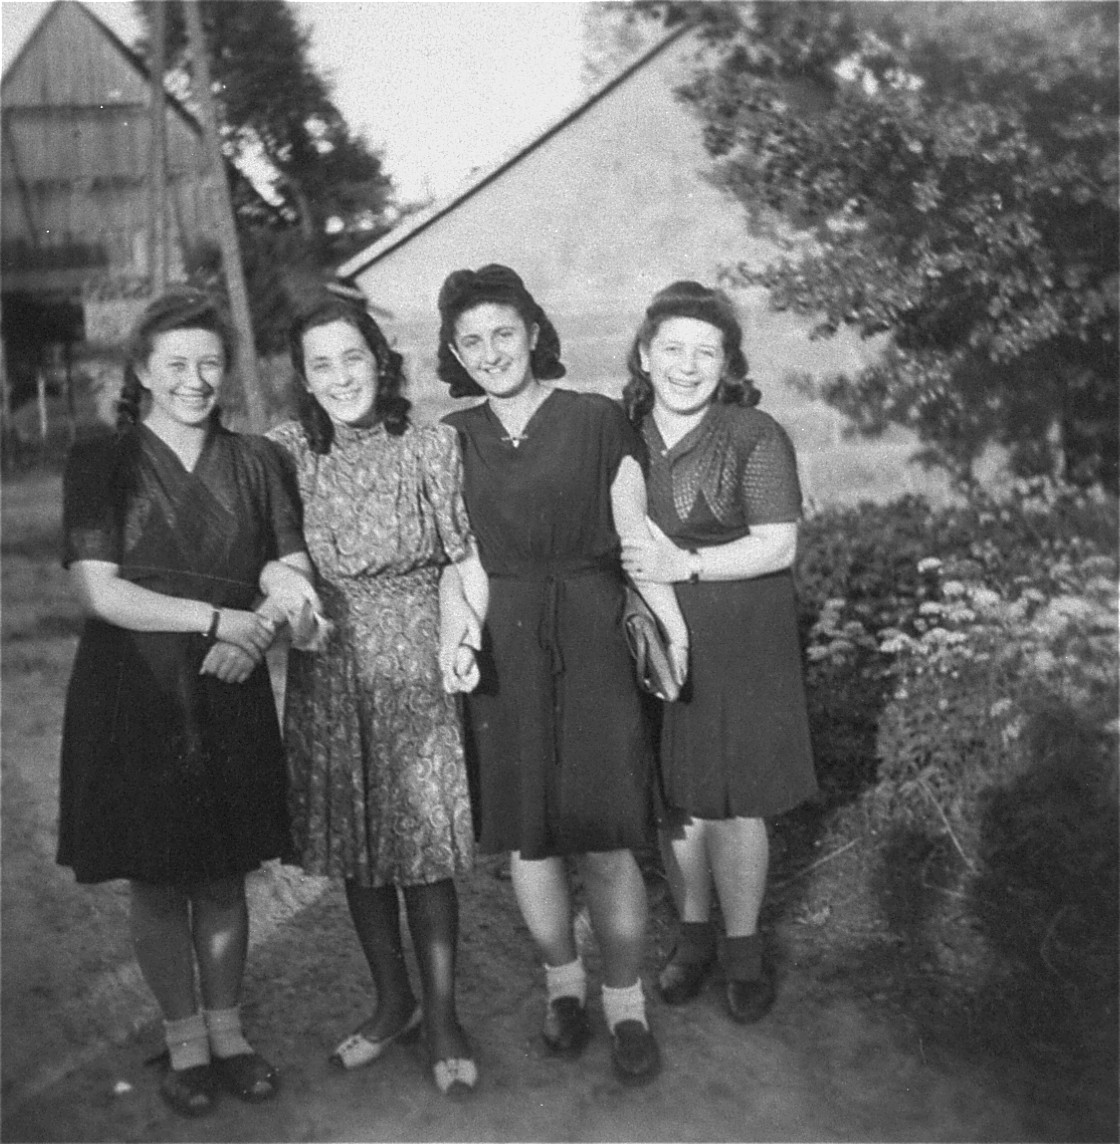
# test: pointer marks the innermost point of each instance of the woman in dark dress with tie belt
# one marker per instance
(551, 480)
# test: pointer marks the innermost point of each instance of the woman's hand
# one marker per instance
(458, 657)
(289, 589)
(251, 632)
(229, 663)
(654, 559)
(459, 669)
(678, 659)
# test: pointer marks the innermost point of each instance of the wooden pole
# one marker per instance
(157, 234)
(227, 230)
(41, 401)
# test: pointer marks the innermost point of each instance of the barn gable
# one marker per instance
(596, 213)
(76, 157)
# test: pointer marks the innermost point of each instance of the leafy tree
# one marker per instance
(950, 175)
(328, 193)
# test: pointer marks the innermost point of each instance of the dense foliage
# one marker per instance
(962, 670)
(945, 173)
(326, 194)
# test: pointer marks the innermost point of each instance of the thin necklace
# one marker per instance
(515, 438)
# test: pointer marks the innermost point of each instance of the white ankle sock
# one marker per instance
(226, 1038)
(626, 1004)
(187, 1042)
(566, 981)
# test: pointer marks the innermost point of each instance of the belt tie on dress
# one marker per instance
(554, 575)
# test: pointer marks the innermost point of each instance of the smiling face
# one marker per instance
(341, 371)
(494, 346)
(183, 373)
(685, 360)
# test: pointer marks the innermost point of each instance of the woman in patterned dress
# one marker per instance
(724, 495)
(551, 479)
(378, 786)
(172, 765)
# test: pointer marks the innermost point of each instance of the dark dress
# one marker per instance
(556, 724)
(168, 776)
(737, 742)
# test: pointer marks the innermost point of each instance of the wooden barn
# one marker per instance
(75, 167)
(597, 212)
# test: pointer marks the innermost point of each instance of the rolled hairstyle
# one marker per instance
(180, 308)
(687, 299)
(390, 406)
(463, 290)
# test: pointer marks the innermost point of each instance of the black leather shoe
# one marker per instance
(749, 1001)
(190, 1092)
(566, 1028)
(248, 1076)
(634, 1053)
(681, 981)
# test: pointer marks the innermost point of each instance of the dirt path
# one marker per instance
(78, 1024)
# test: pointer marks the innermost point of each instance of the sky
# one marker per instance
(439, 88)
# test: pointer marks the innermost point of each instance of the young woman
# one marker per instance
(378, 785)
(551, 480)
(724, 495)
(172, 766)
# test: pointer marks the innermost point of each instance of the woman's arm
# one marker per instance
(228, 662)
(464, 596)
(628, 506)
(104, 595)
(768, 548)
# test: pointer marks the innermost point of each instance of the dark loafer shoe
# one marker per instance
(681, 981)
(190, 1092)
(248, 1076)
(749, 1001)
(566, 1028)
(634, 1053)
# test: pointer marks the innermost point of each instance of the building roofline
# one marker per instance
(126, 53)
(420, 222)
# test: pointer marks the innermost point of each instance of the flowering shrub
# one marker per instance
(935, 603)
(978, 669)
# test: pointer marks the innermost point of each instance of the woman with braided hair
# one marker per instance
(172, 766)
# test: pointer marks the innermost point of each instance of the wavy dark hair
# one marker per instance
(390, 406)
(688, 299)
(463, 290)
(180, 308)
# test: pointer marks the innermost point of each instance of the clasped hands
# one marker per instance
(458, 655)
(243, 636)
(654, 558)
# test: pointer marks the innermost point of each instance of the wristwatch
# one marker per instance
(695, 566)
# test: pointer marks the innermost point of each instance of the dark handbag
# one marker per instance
(649, 646)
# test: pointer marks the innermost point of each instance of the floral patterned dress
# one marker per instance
(378, 787)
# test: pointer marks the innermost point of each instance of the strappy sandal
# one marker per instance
(248, 1076)
(190, 1092)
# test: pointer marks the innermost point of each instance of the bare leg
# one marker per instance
(740, 855)
(433, 920)
(616, 900)
(689, 870)
(541, 889)
(161, 939)
(375, 912)
(220, 931)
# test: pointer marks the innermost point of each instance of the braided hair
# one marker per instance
(180, 308)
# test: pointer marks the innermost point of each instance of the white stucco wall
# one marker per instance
(598, 216)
